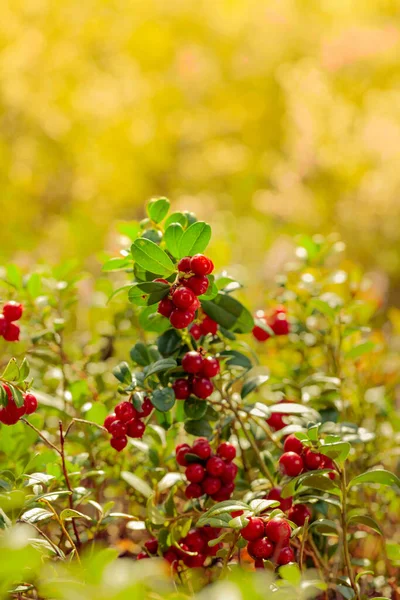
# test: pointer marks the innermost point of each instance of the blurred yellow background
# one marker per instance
(285, 114)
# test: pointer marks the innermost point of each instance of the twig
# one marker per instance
(68, 484)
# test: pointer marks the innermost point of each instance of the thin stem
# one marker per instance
(40, 434)
(60, 522)
(343, 518)
(68, 484)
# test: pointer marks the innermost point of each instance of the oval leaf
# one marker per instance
(151, 257)
(195, 239)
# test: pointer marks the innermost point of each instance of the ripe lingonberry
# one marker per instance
(215, 466)
(313, 460)
(202, 387)
(11, 334)
(195, 562)
(292, 444)
(276, 421)
(180, 318)
(230, 472)
(165, 307)
(192, 362)
(151, 545)
(202, 448)
(210, 367)
(261, 548)
(184, 264)
(195, 473)
(12, 311)
(201, 265)
(171, 556)
(30, 404)
(124, 411)
(135, 428)
(211, 485)
(119, 443)
(195, 331)
(109, 420)
(118, 429)
(259, 564)
(291, 464)
(254, 529)
(142, 555)
(284, 556)
(224, 493)
(198, 284)
(181, 389)
(183, 297)
(226, 451)
(208, 325)
(194, 541)
(180, 453)
(260, 334)
(279, 324)
(146, 409)
(278, 531)
(193, 490)
(299, 513)
(284, 503)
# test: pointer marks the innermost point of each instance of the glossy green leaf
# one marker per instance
(253, 384)
(164, 364)
(148, 293)
(195, 239)
(163, 399)
(117, 264)
(367, 521)
(151, 257)
(137, 483)
(229, 313)
(380, 476)
(172, 237)
(157, 209)
(198, 428)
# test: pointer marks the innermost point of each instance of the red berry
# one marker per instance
(226, 451)
(236, 513)
(299, 513)
(195, 473)
(11, 333)
(275, 494)
(171, 556)
(109, 420)
(184, 264)
(30, 404)
(146, 408)
(254, 529)
(278, 530)
(202, 448)
(124, 411)
(135, 428)
(180, 318)
(202, 387)
(292, 444)
(210, 367)
(193, 490)
(284, 556)
(192, 362)
(276, 421)
(215, 466)
(208, 326)
(180, 453)
(118, 429)
(181, 388)
(119, 443)
(165, 307)
(201, 265)
(196, 304)
(12, 311)
(3, 324)
(260, 334)
(142, 555)
(314, 460)
(198, 284)
(161, 280)
(194, 541)
(183, 297)
(230, 472)
(211, 485)
(224, 493)
(259, 564)
(195, 562)
(261, 548)
(279, 324)
(210, 533)
(151, 545)
(195, 331)
(291, 464)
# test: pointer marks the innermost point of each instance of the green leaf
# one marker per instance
(393, 551)
(195, 239)
(3, 396)
(360, 350)
(325, 526)
(169, 342)
(17, 395)
(176, 217)
(380, 476)
(168, 481)
(144, 355)
(138, 484)
(163, 399)
(24, 370)
(172, 237)
(157, 209)
(229, 313)
(117, 264)
(34, 285)
(163, 364)
(322, 307)
(194, 408)
(291, 574)
(122, 373)
(69, 513)
(36, 515)
(148, 292)
(237, 359)
(198, 427)
(337, 450)
(11, 372)
(252, 384)
(151, 257)
(367, 521)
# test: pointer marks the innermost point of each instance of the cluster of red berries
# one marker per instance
(200, 370)
(297, 513)
(268, 539)
(277, 321)
(11, 414)
(125, 421)
(193, 549)
(12, 311)
(208, 473)
(181, 304)
(206, 325)
(298, 458)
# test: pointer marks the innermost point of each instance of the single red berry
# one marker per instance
(202, 448)
(30, 403)
(9, 415)
(146, 408)
(299, 513)
(3, 324)
(211, 485)
(181, 389)
(194, 541)
(214, 550)
(119, 443)
(12, 311)
(165, 307)
(215, 466)
(313, 460)
(198, 284)
(279, 324)
(278, 531)
(171, 556)
(202, 387)
(224, 493)
(192, 362)
(195, 473)
(226, 451)
(193, 490)
(291, 464)
(254, 529)
(200, 265)
(109, 420)
(196, 304)
(275, 494)
(260, 334)
(210, 533)
(329, 464)
(135, 428)
(261, 548)
(183, 297)
(259, 564)
(276, 421)
(142, 555)
(184, 264)
(180, 318)
(124, 411)
(210, 367)
(208, 326)
(161, 280)
(195, 562)
(11, 333)
(195, 331)
(151, 545)
(180, 453)
(293, 444)
(230, 472)
(284, 556)
(118, 429)
(236, 513)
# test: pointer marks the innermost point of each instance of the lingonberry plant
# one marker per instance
(231, 442)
